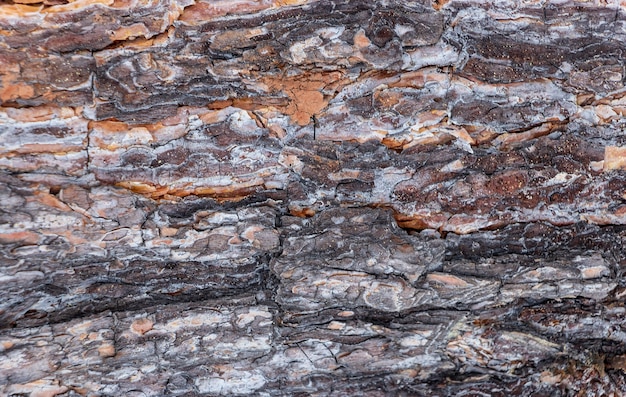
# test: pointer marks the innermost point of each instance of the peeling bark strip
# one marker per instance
(312, 198)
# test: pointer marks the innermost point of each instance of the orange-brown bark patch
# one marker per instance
(11, 91)
(304, 92)
(204, 11)
(614, 158)
(23, 237)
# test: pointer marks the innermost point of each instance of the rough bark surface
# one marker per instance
(339, 197)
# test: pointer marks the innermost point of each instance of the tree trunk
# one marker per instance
(337, 197)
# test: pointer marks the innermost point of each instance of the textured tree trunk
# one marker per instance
(340, 197)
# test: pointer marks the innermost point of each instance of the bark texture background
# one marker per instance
(340, 197)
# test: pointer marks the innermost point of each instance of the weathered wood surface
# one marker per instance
(312, 198)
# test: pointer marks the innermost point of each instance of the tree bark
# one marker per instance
(338, 197)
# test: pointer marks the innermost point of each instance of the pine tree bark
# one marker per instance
(339, 197)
